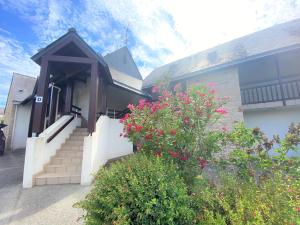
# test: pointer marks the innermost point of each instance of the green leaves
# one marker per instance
(138, 190)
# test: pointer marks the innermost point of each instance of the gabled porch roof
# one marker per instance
(71, 47)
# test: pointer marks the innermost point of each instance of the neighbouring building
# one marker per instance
(76, 102)
(16, 114)
(1, 115)
(260, 73)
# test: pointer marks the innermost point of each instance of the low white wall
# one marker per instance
(104, 144)
(39, 152)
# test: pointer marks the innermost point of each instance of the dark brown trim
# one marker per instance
(60, 129)
(93, 100)
(70, 59)
(31, 118)
(42, 90)
(103, 95)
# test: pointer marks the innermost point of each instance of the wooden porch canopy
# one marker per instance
(67, 59)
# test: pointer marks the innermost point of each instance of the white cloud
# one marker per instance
(162, 30)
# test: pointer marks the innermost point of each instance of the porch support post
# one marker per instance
(280, 80)
(53, 104)
(103, 96)
(94, 86)
(68, 98)
(41, 99)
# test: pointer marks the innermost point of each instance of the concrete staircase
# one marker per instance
(65, 166)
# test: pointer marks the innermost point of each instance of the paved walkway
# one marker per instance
(51, 204)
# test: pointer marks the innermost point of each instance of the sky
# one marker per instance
(156, 31)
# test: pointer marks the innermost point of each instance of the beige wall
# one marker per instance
(227, 84)
(9, 120)
(21, 126)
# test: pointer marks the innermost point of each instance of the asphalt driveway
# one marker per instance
(43, 205)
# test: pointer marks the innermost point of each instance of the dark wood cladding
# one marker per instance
(60, 129)
(42, 90)
(103, 95)
(93, 100)
(69, 59)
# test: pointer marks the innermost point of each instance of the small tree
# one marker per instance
(177, 125)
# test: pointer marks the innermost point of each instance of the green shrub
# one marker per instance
(138, 190)
(239, 202)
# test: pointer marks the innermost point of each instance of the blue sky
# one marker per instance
(159, 31)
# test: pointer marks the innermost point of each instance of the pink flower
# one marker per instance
(298, 209)
(131, 107)
(186, 120)
(173, 132)
(160, 132)
(141, 104)
(211, 84)
(221, 111)
(148, 136)
(202, 163)
(173, 154)
(129, 127)
(212, 91)
(225, 129)
(124, 118)
(184, 158)
(155, 89)
(138, 128)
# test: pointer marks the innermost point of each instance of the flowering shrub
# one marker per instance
(176, 125)
(138, 190)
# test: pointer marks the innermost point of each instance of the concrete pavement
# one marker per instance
(44, 205)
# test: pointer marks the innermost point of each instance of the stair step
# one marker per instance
(65, 160)
(63, 168)
(57, 178)
(68, 153)
(71, 146)
(76, 138)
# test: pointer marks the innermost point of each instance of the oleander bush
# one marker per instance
(138, 190)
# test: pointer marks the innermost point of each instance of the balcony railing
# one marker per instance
(271, 92)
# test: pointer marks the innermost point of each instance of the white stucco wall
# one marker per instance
(104, 144)
(274, 120)
(21, 125)
(39, 152)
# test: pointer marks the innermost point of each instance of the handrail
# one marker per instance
(77, 110)
(271, 92)
(76, 107)
(115, 114)
(60, 129)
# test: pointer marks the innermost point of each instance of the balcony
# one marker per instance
(272, 91)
